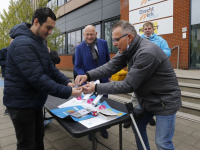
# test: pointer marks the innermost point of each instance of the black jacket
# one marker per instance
(30, 74)
(3, 55)
(54, 57)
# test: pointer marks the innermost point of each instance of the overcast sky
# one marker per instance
(4, 5)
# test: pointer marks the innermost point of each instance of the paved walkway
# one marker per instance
(186, 137)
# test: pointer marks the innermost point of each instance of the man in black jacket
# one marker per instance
(3, 56)
(30, 76)
(54, 55)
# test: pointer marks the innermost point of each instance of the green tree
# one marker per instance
(22, 11)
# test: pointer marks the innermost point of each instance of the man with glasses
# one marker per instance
(90, 54)
(150, 76)
(149, 34)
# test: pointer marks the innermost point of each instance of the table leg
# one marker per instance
(120, 136)
(93, 141)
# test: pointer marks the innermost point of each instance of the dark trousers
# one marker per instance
(29, 128)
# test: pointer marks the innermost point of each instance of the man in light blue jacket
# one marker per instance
(158, 40)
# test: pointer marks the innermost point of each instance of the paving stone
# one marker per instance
(47, 144)
(194, 125)
(115, 130)
(111, 139)
(10, 147)
(152, 144)
(7, 132)
(176, 142)
(98, 147)
(6, 125)
(151, 127)
(151, 134)
(61, 128)
(180, 136)
(128, 135)
(184, 146)
(5, 118)
(8, 140)
(125, 145)
(84, 142)
(196, 134)
(2, 108)
(52, 149)
(55, 122)
(190, 140)
(63, 144)
(184, 129)
(77, 147)
(197, 145)
(50, 128)
(182, 121)
(55, 135)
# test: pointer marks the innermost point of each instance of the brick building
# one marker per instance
(182, 31)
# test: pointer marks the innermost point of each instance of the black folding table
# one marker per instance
(77, 130)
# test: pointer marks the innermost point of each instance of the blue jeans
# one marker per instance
(165, 126)
(29, 127)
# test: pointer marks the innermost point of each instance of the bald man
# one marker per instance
(90, 54)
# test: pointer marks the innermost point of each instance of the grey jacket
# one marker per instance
(150, 76)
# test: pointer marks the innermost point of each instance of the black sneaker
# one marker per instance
(104, 134)
(6, 112)
(152, 122)
(127, 124)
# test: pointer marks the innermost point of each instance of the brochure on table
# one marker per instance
(102, 107)
(67, 112)
(91, 103)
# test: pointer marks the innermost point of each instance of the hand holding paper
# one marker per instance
(71, 84)
(76, 92)
(89, 87)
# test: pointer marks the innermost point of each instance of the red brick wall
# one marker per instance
(181, 14)
(66, 62)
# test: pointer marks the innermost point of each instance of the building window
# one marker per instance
(60, 2)
(62, 49)
(195, 35)
(98, 30)
(108, 35)
(73, 39)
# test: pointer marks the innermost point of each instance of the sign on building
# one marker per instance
(158, 11)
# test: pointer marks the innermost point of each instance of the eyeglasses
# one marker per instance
(117, 39)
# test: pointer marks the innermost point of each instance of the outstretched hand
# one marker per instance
(88, 88)
(71, 84)
(76, 92)
(80, 79)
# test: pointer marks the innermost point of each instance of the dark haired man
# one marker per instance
(150, 76)
(30, 77)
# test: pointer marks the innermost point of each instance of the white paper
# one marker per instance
(72, 102)
(92, 122)
(97, 99)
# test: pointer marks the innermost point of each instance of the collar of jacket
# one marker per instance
(24, 29)
(133, 47)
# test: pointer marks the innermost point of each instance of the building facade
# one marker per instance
(176, 21)
(74, 15)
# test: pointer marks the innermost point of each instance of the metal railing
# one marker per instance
(177, 55)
